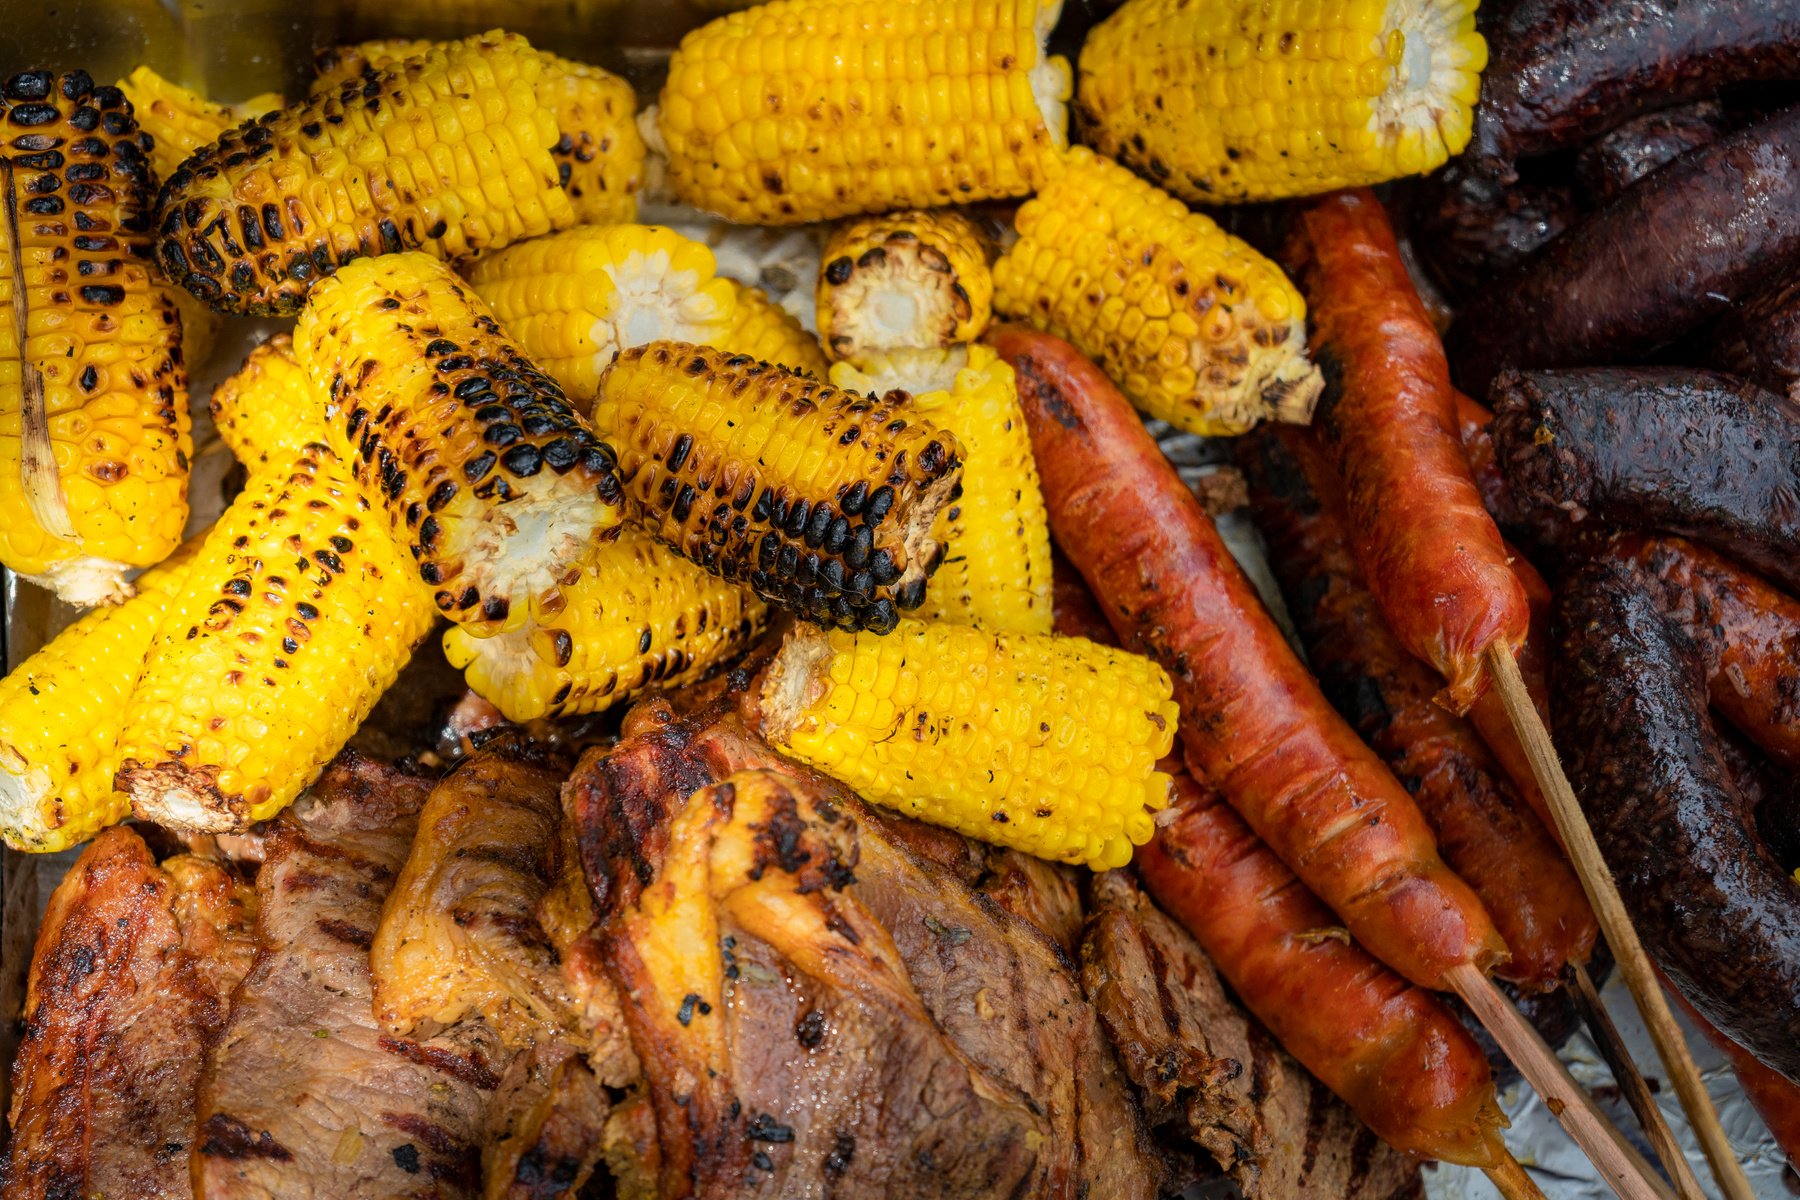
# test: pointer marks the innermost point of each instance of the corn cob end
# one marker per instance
(913, 280)
(85, 582)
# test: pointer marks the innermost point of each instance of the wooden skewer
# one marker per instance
(1623, 1168)
(1511, 1181)
(1631, 1082)
(1628, 951)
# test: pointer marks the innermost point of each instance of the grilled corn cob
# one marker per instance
(996, 536)
(600, 154)
(641, 616)
(451, 154)
(904, 281)
(577, 298)
(268, 408)
(769, 333)
(61, 711)
(93, 397)
(179, 122)
(298, 612)
(818, 499)
(803, 110)
(1045, 744)
(1245, 100)
(1197, 328)
(500, 489)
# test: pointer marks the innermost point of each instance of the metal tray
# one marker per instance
(233, 49)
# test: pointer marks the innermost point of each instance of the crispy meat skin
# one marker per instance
(306, 1096)
(546, 1127)
(129, 986)
(1203, 1062)
(994, 981)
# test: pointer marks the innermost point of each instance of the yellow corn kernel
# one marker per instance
(1244, 100)
(1045, 744)
(769, 333)
(640, 617)
(804, 110)
(904, 281)
(600, 153)
(996, 535)
(61, 711)
(94, 423)
(450, 153)
(297, 613)
(1194, 325)
(577, 298)
(179, 122)
(820, 500)
(499, 488)
(267, 409)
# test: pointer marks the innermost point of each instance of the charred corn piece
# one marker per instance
(820, 500)
(268, 409)
(179, 121)
(1244, 100)
(449, 154)
(904, 281)
(641, 616)
(1045, 744)
(93, 396)
(600, 152)
(769, 333)
(297, 613)
(804, 110)
(484, 470)
(61, 711)
(996, 536)
(1194, 325)
(577, 298)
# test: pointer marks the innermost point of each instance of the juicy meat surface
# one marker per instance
(306, 1096)
(546, 1127)
(879, 972)
(129, 985)
(1212, 1074)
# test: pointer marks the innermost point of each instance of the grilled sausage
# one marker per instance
(1483, 829)
(1641, 145)
(1689, 452)
(1760, 340)
(1253, 720)
(1707, 231)
(1710, 899)
(1428, 547)
(1391, 1051)
(1472, 228)
(1561, 71)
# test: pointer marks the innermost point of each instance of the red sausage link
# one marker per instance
(1388, 415)
(1253, 720)
(1489, 714)
(1483, 829)
(1391, 1051)
(1776, 1100)
(1475, 428)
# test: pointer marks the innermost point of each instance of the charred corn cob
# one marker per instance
(1197, 328)
(996, 536)
(93, 397)
(1045, 744)
(904, 281)
(179, 122)
(820, 500)
(298, 612)
(804, 110)
(268, 409)
(495, 483)
(769, 333)
(641, 616)
(450, 153)
(577, 298)
(1244, 100)
(600, 153)
(61, 711)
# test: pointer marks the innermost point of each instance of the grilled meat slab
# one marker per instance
(306, 1095)
(129, 985)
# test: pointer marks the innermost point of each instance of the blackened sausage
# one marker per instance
(1760, 340)
(1641, 145)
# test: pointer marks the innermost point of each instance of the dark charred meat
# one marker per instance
(1688, 452)
(1714, 906)
(1471, 229)
(1641, 145)
(306, 1095)
(129, 986)
(1561, 71)
(1760, 340)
